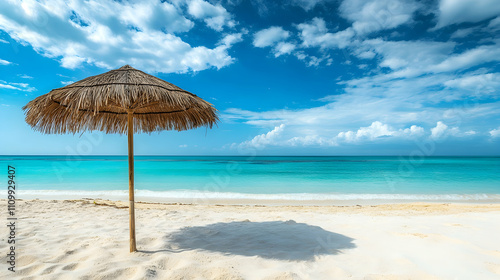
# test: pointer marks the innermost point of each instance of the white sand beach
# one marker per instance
(80, 239)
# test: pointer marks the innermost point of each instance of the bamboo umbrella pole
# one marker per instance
(131, 180)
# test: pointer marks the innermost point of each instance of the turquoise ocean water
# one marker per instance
(296, 178)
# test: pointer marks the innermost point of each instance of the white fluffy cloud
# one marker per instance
(307, 4)
(263, 140)
(408, 58)
(495, 132)
(4, 62)
(441, 131)
(378, 130)
(284, 48)
(310, 140)
(149, 15)
(270, 36)
(374, 15)
(479, 85)
(312, 137)
(414, 58)
(274, 37)
(438, 131)
(462, 33)
(67, 82)
(468, 58)
(16, 86)
(315, 34)
(414, 130)
(231, 39)
(452, 11)
(375, 130)
(110, 34)
(495, 24)
(215, 16)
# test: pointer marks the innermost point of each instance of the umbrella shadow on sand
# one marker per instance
(273, 240)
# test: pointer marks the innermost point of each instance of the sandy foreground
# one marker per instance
(87, 239)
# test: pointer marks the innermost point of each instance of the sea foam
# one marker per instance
(190, 194)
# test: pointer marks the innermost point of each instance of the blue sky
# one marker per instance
(302, 77)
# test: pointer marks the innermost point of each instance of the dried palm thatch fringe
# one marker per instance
(103, 102)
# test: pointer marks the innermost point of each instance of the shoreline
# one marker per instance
(415, 207)
(418, 207)
(259, 199)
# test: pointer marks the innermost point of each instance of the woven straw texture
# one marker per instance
(103, 102)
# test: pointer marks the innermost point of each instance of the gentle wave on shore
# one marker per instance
(197, 195)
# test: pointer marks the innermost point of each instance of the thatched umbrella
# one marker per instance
(124, 100)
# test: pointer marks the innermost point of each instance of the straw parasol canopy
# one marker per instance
(103, 102)
(124, 100)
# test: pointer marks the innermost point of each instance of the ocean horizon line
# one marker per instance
(125, 155)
